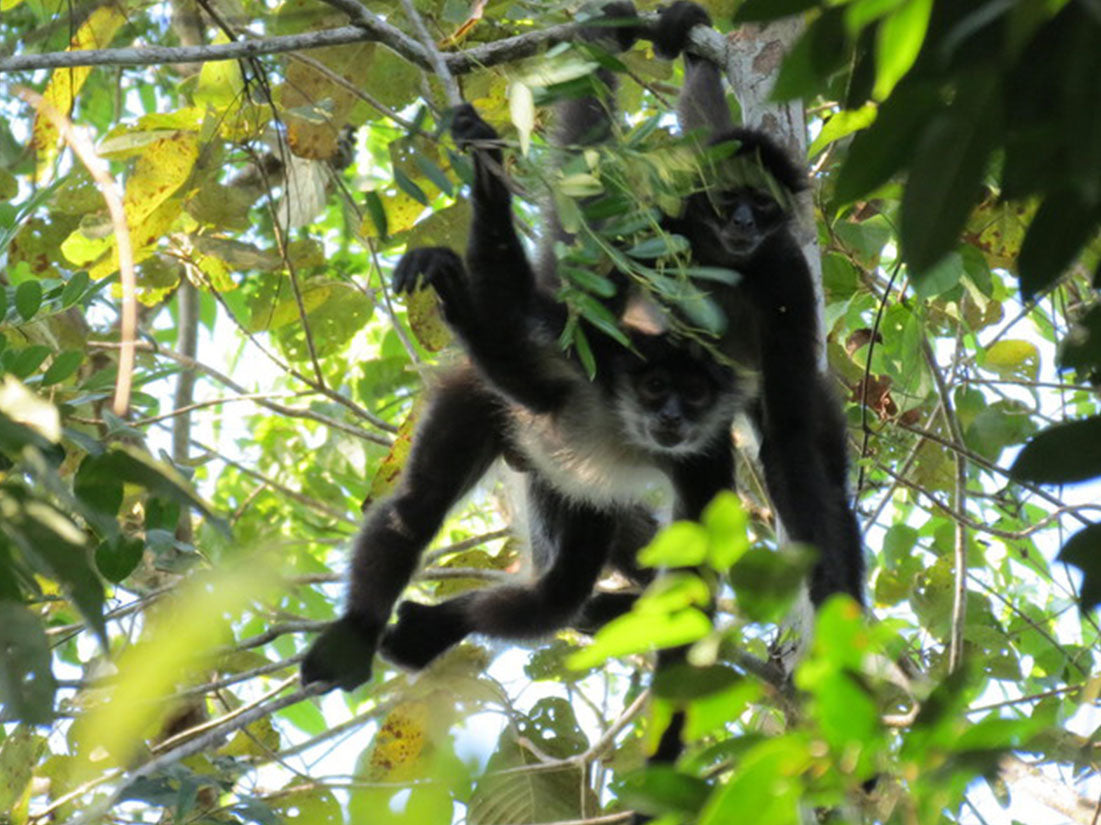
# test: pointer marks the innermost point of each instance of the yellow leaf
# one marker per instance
(286, 312)
(401, 210)
(1013, 358)
(316, 106)
(423, 312)
(162, 168)
(221, 83)
(60, 93)
(521, 106)
(397, 748)
(389, 469)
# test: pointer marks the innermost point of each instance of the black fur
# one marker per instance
(659, 407)
(772, 324)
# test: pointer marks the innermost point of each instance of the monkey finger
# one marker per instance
(418, 266)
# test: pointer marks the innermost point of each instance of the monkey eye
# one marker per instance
(763, 200)
(695, 390)
(654, 386)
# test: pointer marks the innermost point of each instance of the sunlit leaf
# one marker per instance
(96, 32)
(898, 42)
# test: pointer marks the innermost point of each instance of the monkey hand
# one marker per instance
(341, 656)
(676, 21)
(422, 633)
(442, 269)
(620, 26)
(467, 126)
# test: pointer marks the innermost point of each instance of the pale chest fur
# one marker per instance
(582, 452)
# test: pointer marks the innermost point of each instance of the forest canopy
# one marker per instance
(205, 376)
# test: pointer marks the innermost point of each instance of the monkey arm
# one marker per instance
(702, 101)
(510, 329)
(803, 433)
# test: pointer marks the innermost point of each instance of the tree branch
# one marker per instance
(368, 28)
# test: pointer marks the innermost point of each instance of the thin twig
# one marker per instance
(295, 412)
(86, 153)
(450, 87)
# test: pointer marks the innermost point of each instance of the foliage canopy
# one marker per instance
(163, 562)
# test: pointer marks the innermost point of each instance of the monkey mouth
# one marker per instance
(738, 244)
(667, 437)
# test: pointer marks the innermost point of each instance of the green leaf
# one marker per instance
(638, 632)
(589, 281)
(377, 213)
(842, 124)
(407, 185)
(684, 682)
(662, 789)
(766, 789)
(898, 42)
(118, 557)
(947, 171)
(435, 174)
(812, 61)
(28, 360)
(726, 522)
(1061, 227)
(943, 276)
(55, 544)
(1061, 454)
(1083, 550)
(714, 273)
(584, 352)
(659, 247)
(681, 544)
(64, 365)
(74, 289)
(27, 684)
(131, 465)
(767, 581)
(28, 298)
(882, 149)
(598, 315)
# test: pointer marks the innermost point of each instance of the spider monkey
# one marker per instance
(772, 318)
(657, 413)
(591, 450)
(523, 399)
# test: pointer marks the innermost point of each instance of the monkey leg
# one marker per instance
(582, 537)
(456, 441)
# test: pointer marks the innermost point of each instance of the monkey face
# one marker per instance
(734, 224)
(673, 400)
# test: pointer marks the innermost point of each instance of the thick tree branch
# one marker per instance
(705, 43)
(159, 55)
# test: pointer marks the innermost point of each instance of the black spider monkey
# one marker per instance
(523, 394)
(772, 320)
(657, 413)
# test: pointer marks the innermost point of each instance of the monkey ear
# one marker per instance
(643, 315)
